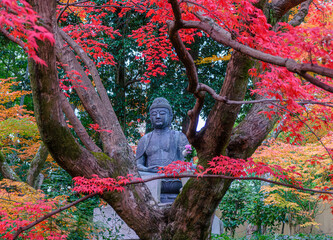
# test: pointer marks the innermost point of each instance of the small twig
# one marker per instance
(62, 11)
(230, 178)
(77, 125)
(318, 138)
(77, 4)
(222, 36)
(204, 87)
(72, 4)
(102, 6)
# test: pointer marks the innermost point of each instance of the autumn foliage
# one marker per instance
(291, 69)
(20, 205)
(314, 167)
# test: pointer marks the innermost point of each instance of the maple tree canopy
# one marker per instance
(284, 47)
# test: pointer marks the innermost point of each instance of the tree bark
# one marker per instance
(6, 171)
(36, 166)
(250, 133)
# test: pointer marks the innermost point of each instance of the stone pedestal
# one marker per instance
(154, 186)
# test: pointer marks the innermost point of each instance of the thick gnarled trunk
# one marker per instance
(136, 205)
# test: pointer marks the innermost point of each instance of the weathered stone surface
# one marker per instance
(115, 227)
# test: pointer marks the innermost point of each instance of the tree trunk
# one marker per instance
(6, 170)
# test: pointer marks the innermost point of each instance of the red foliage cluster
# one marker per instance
(25, 214)
(100, 185)
(73, 80)
(244, 168)
(177, 167)
(221, 165)
(21, 23)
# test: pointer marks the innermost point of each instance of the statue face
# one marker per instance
(160, 118)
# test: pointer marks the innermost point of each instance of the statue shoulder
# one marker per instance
(142, 145)
(181, 138)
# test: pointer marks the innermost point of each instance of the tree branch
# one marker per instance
(191, 70)
(182, 53)
(92, 68)
(315, 81)
(222, 36)
(36, 165)
(12, 38)
(63, 10)
(133, 80)
(77, 125)
(252, 131)
(6, 171)
(184, 56)
(177, 12)
(281, 7)
(91, 101)
(302, 12)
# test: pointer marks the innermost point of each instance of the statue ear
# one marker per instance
(170, 118)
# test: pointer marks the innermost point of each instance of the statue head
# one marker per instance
(160, 113)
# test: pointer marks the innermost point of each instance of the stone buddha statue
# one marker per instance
(161, 147)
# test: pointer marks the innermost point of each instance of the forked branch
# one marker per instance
(92, 68)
